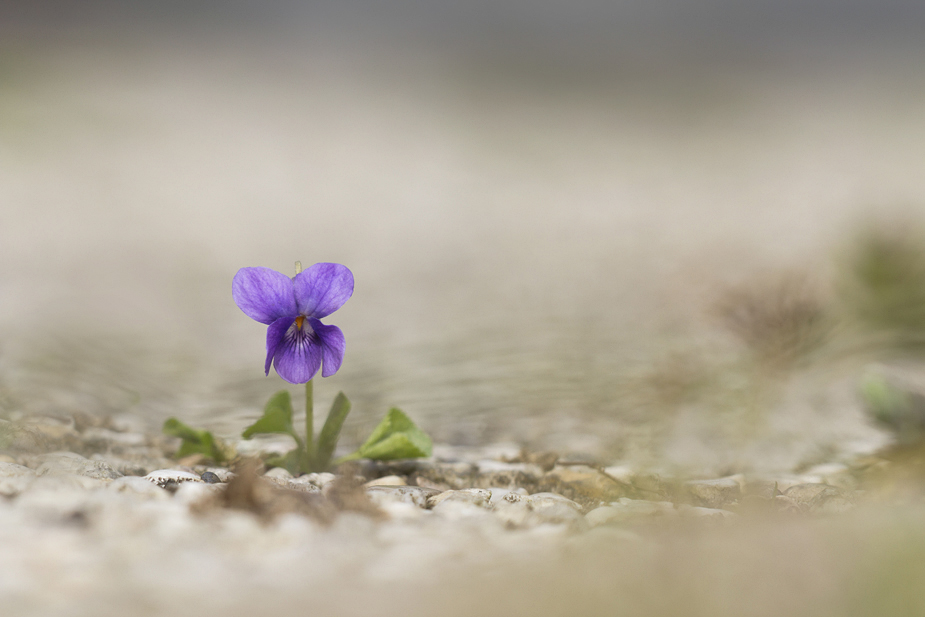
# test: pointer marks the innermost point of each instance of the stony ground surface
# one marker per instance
(97, 519)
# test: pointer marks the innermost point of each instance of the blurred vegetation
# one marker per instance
(780, 319)
(881, 283)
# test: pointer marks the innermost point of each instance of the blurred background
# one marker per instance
(678, 233)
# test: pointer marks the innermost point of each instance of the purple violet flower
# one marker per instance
(297, 341)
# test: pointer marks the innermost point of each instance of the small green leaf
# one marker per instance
(195, 441)
(396, 437)
(277, 418)
(330, 432)
(289, 461)
(887, 403)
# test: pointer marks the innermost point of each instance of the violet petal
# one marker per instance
(333, 346)
(275, 334)
(298, 355)
(322, 289)
(263, 294)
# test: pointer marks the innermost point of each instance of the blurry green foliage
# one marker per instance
(397, 436)
(195, 441)
(902, 410)
(882, 283)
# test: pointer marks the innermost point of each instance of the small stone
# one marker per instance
(762, 488)
(135, 485)
(514, 511)
(715, 493)
(545, 460)
(475, 496)
(171, 478)
(400, 510)
(416, 495)
(278, 473)
(830, 500)
(303, 484)
(447, 475)
(55, 500)
(549, 500)
(210, 477)
(711, 514)
(318, 479)
(71, 463)
(630, 510)
(458, 510)
(193, 493)
(555, 509)
(497, 494)
(14, 479)
(507, 475)
(786, 505)
(834, 474)
(278, 476)
(523, 512)
(224, 475)
(387, 481)
(804, 494)
(584, 484)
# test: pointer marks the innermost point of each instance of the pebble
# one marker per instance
(497, 493)
(417, 495)
(712, 514)
(520, 511)
(584, 484)
(630, 510)
(71, 463)
(223, 474)
(715, 493)
(166, 478)
(318, 479)
(387, 481)
(192, 493)
(475, 496)
(506, 475)
(137, 486)
(278, 473)
(14, 479)
(804, 494)
(210, 478)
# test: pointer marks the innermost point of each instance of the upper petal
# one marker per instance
(332, 346)
(263, 294)
(322, 289)
(298, 355)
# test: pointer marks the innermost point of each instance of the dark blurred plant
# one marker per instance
(882, 282)
(780, 319)
(895, 406)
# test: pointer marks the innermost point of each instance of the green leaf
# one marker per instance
(330, 432)
(195, 441)
(289, 461)
(887, 403)
(277, 418)
(396, 437)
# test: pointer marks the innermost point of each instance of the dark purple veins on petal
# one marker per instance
(298, 354)
(275, 335)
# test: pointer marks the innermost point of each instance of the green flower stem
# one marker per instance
(309, 462)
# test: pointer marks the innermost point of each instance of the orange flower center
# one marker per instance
(299, 321)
